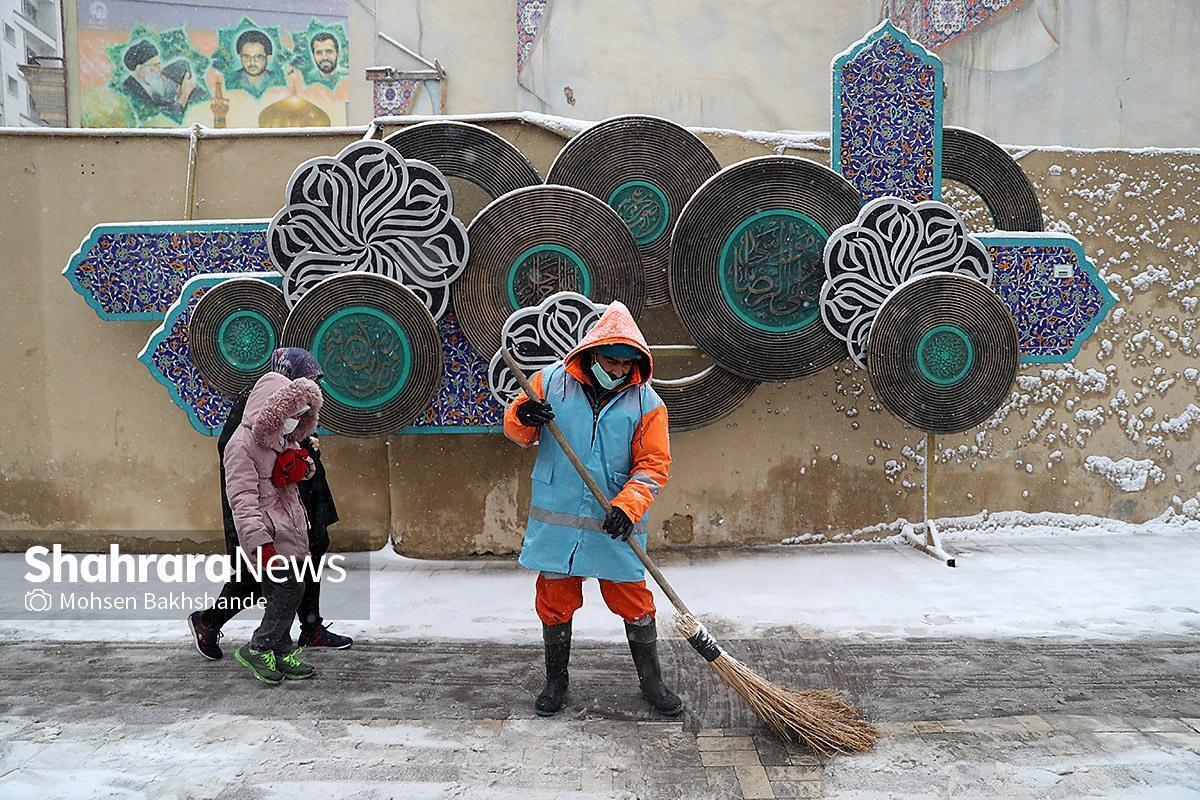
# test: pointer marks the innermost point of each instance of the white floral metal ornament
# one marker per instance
(891, 242)
(537, 336)
(369, 210)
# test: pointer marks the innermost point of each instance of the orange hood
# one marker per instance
(616, 326)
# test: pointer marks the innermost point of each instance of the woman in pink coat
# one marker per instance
(263, 463)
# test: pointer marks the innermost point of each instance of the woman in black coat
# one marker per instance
(291, 362)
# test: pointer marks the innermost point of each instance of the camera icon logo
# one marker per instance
(38, 600)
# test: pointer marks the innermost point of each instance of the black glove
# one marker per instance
(534, 413)
(618, 524)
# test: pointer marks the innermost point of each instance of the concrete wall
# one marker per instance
(1090, 73)
(90, 442)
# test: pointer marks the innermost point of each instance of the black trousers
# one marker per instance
(238, 594)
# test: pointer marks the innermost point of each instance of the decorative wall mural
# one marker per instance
(646, 168)
(891, 242)
(534, 242)
(158, 73)
(746, 265)
(887, 117)
(369, 210)
(943, 352)
(250, 56)
(241, 64)
(1055, 295)
(936, 23)
(540, 335)
(378, 347)
(233, 330)
(168, 357)
(530, 14)
(321, 53)
(135, 270)
(470, 152)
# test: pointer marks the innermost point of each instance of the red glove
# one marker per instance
(290, 467)
(266, 552)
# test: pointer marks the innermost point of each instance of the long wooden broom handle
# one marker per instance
(601, 497)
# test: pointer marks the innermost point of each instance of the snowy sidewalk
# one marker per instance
(1008, 582)
(1044, 666)
(968, 719)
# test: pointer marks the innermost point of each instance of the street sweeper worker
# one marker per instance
(600, 396)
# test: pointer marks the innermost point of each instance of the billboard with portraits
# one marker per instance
(249, 64)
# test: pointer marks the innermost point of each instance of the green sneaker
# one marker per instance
(263, 665)
(293, 668)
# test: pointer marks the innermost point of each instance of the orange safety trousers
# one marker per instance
(559, 598)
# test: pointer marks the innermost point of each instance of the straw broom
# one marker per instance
(820, 719)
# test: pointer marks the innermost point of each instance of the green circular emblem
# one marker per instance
(644, 208)
(945, 354)
(543, 270)
(772, 268)
(246, 339)
(365, 354)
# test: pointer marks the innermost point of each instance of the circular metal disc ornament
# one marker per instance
(703, 398)
(747, 265)
(943, 353)
(378, 347)
(233, 330)
(535, 242)
(984, 166)
(645, 168)
(469, 152)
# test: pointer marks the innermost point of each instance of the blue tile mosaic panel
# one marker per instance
(135, 271)
(464, 403)
(1056, 296)
(887, 117)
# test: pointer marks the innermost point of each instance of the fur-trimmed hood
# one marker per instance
(275, 398)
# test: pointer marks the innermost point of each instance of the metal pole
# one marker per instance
(189, 190)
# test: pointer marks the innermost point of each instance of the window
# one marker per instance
(10, 34)
(13, 89)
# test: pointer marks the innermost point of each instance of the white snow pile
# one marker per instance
(1128, 474)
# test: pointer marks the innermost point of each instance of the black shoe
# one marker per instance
(557, 639)
(206, 636)
(321, 636)
(643, 644)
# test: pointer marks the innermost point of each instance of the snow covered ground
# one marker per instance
(1017, 576)
(143, 720)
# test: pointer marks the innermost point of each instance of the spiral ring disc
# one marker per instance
(533, 242)
(943, 353)
(646, 168)
(702, 399)
(378, 347)
(982, 165)
(233, 330)
(747, 265)
(469, 152)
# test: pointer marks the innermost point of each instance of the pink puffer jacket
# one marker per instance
(263, 512)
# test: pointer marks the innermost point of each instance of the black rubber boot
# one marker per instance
(643, 643)
(557, 639)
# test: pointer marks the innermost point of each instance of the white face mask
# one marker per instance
(290, 424)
